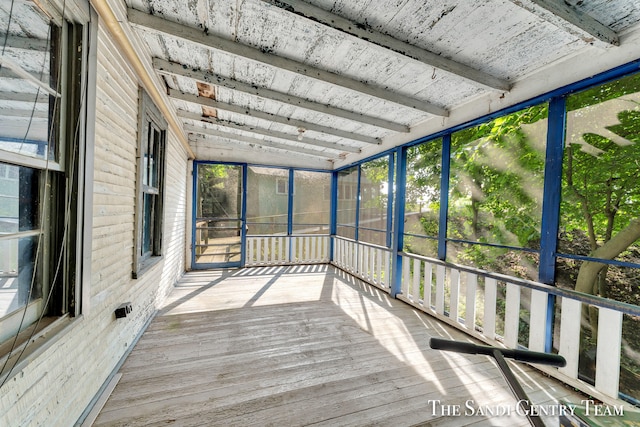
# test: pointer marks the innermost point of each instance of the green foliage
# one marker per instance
(601, 171)
(496, 179)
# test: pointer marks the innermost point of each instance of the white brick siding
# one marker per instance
(56, 387)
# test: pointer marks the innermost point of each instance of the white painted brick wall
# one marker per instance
(56, 387)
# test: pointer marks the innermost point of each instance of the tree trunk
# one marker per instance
(589, 270)
(590, 276)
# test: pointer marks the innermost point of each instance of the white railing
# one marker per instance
(468, 299)
(284, 250)
(499, 310)
(370, 263)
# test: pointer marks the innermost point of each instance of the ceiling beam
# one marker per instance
(571, 20)
(266, 132)
(208, 102)
(367, 34)
(211, 41)
(175, 69)
(259, 142)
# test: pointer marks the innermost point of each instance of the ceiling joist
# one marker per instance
(256, 142)
(269, 133)
(571, 20)
(367, 34)
(175, 69)
(194, 35)
(208, 102)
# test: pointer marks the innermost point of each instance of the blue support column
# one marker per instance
(243, 216)
(398, 221)
(194, 210)
(390, 196)
(444, 196)
(333, 213)
(551, 205)
(358, 192)
(291, 190)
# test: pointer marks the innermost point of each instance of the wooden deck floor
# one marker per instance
(306, 345)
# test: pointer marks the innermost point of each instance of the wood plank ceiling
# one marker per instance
(323, 83)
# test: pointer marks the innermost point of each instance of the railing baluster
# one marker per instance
(379, 267)
(365, 262)
(415, 288)
(570, 335)
(470, 314)
(372, 264)
(258, 250)
(608, 352)
(512, 316)
(249, 260)
(428, 270)
(538, 320)
(387, 270)
(405, 277)
(490, 296)
(454, 288)
(314, 247)
(440, 273)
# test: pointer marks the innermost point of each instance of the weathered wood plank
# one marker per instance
(293, 346)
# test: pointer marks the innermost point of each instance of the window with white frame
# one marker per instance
(151, 165)
(44, 67)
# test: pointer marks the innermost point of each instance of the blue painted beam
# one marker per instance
(243, 216)
(358, 193)
(390, 197)
(333, 213)
(290, 193)
(395, 285)
(551, 206)
(444, 196)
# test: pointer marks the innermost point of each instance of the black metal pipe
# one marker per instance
(519, 355)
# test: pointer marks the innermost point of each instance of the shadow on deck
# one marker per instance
(307, 345)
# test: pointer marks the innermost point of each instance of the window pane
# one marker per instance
(496, 183)
(16, 272)
(422, 201)
(267, 207)
(310, 210)
(219, 191)
(27, 109)
(374, 193)
(18, 199)
(147, 226)
(347, 197)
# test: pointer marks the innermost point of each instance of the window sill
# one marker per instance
(25, 352)
(145, 266)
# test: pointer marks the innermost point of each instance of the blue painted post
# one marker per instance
(444, 196)
(243, 216)
(390, 196)
(194, 210)
(551, 205)
(290, 192)
(401, 183)
(333, 213)
(358, 192)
